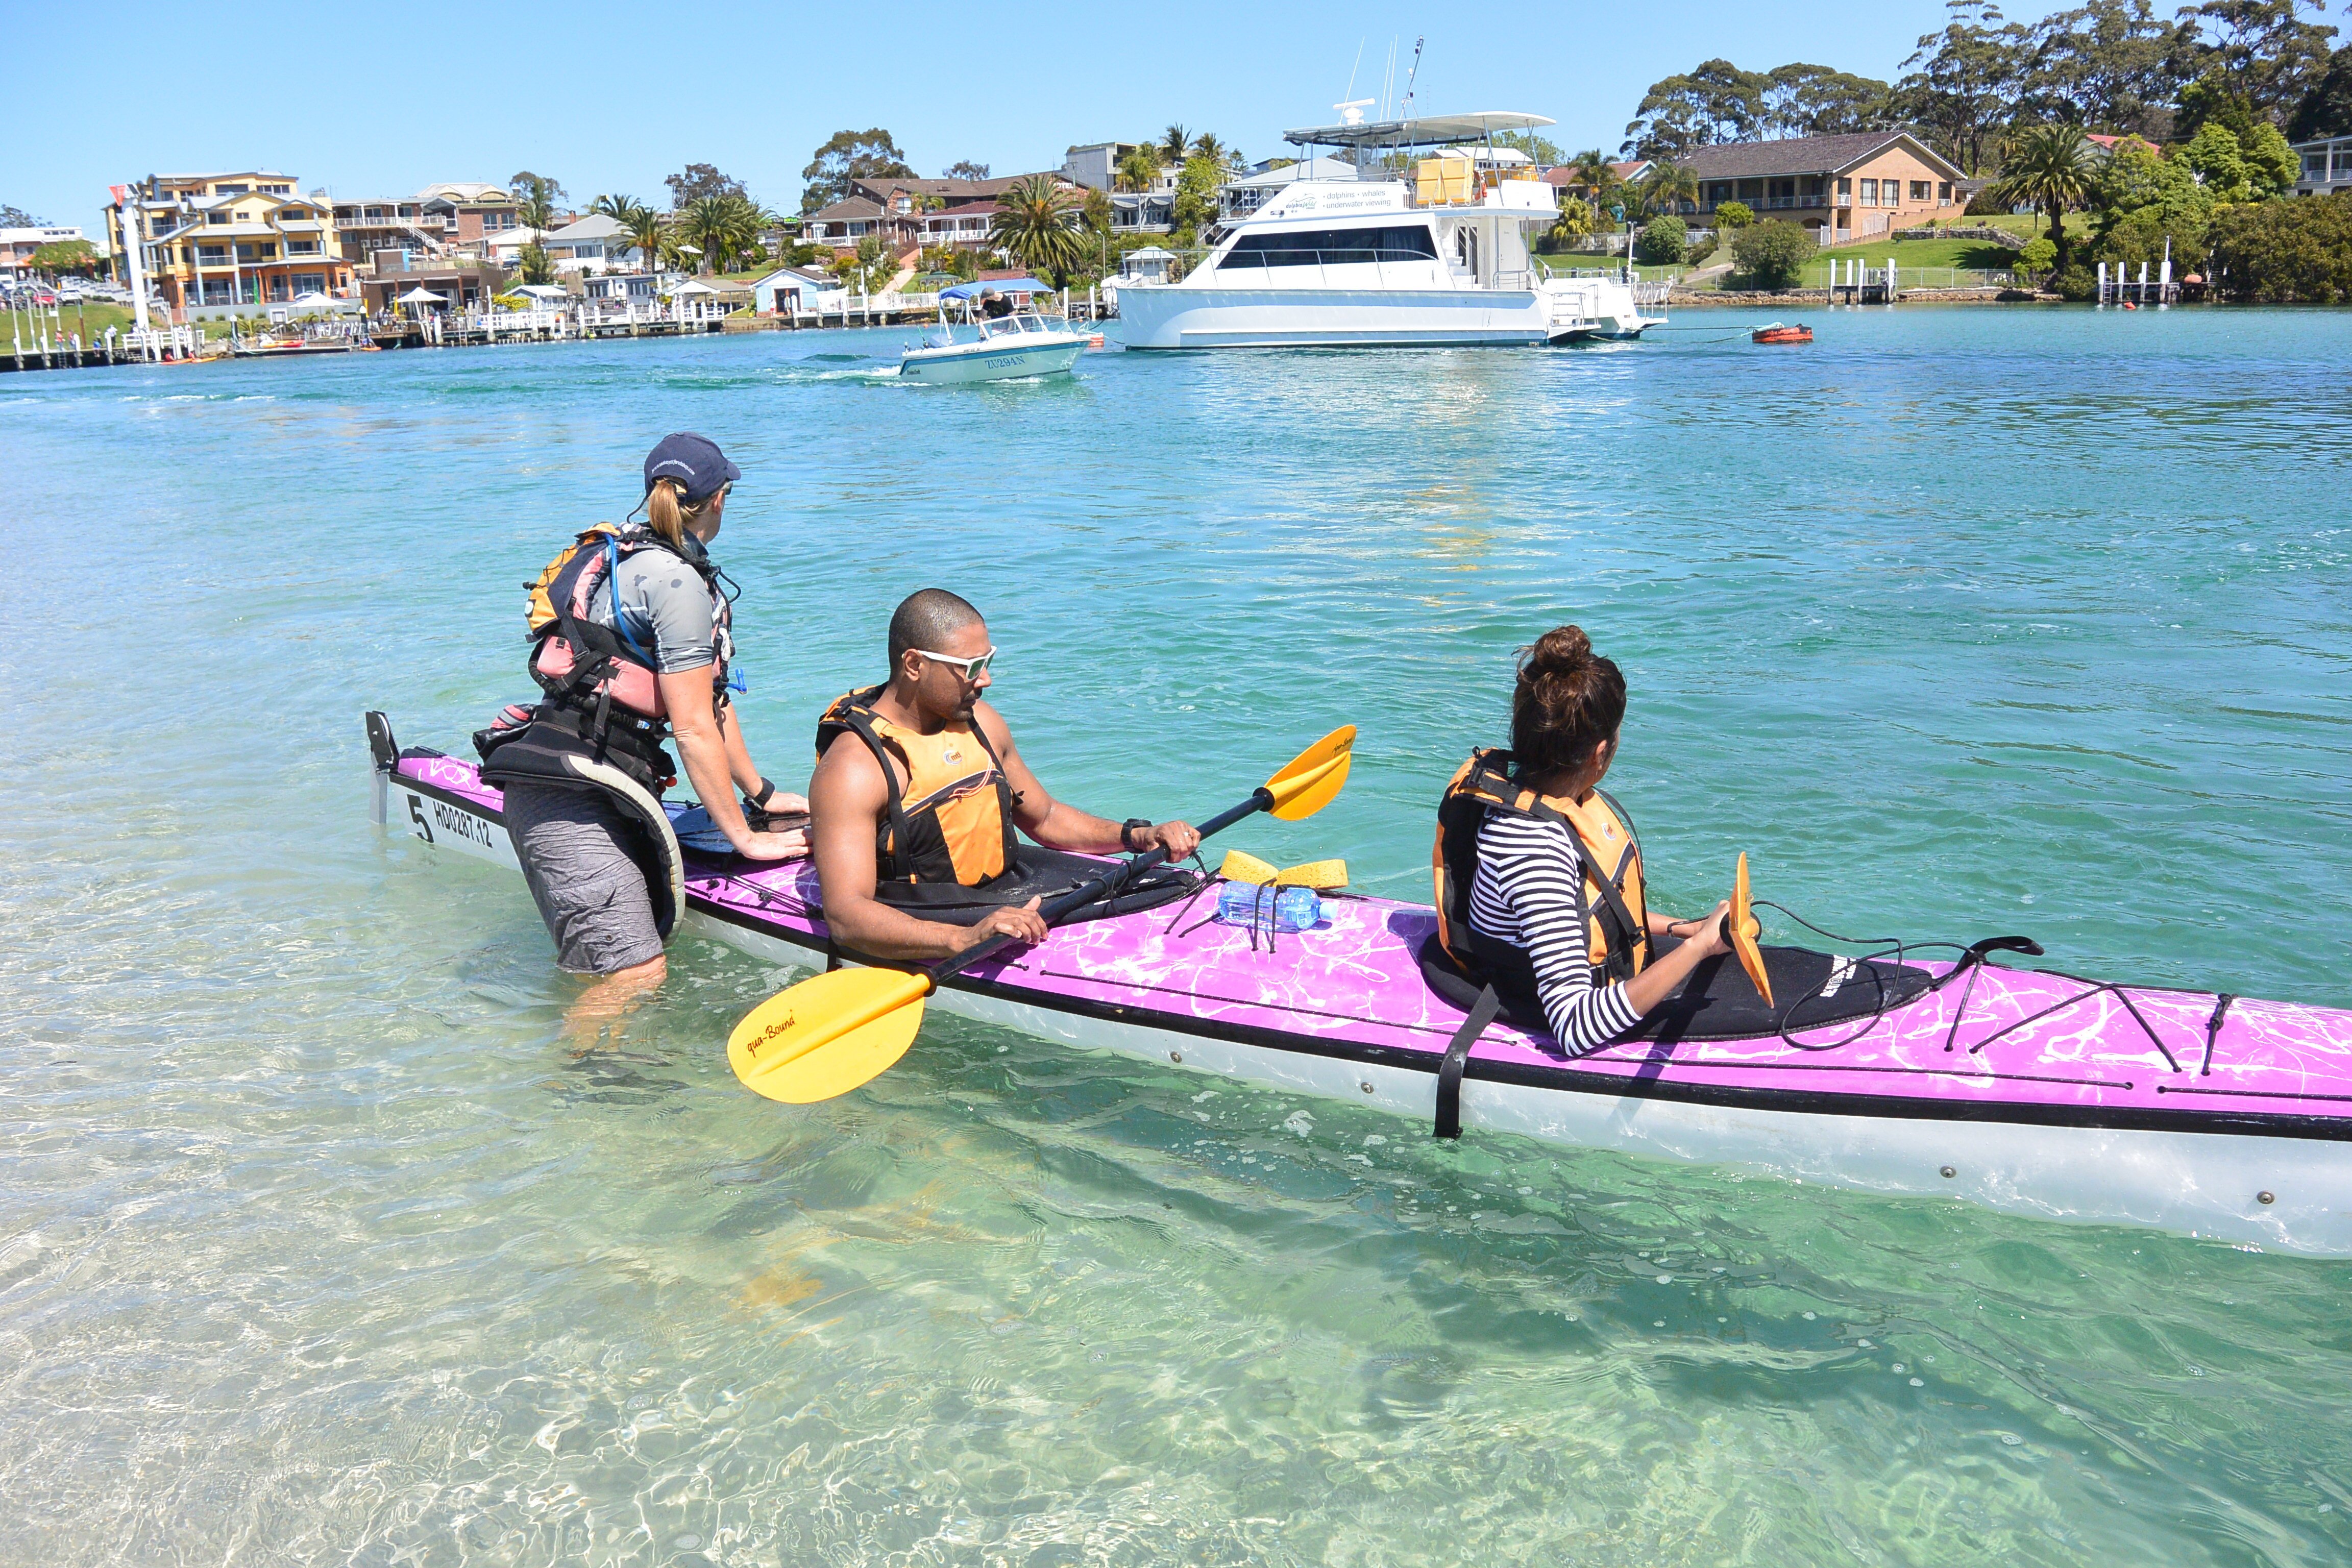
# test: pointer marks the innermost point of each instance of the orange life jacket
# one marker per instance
(952, 820)
(1609, 898)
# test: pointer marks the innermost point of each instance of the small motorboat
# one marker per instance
(1008, 347)
(1776, 333)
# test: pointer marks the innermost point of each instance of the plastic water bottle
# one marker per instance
(1268, 908)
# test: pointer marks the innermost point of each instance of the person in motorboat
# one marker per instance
(994, 305)
(1539, 872)
(917, 790)
(633, 640)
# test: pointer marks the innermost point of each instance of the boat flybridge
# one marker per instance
(1401, 250)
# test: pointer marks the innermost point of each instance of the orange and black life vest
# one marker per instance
(1609, 897)
(951, 820)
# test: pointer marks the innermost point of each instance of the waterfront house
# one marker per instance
(591, 244)
(17, 246)
(1152, 264)
(1095, 165)
(788, 289)
(906, 212)
(462, 281)
(622, 288)
(437, 220)
(2326, 166)
(1842, 188)
(217, 244)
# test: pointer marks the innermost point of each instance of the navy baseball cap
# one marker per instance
(694, 461)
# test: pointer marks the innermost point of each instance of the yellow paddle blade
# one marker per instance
(1745, 929)
(1308, 780)
(1241, 866)
(826, 1035)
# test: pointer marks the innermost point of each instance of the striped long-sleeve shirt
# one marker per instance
(1525, 894)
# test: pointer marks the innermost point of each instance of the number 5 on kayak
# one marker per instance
(827, 1036)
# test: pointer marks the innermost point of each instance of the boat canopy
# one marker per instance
(1429, 131)
(1002, 285)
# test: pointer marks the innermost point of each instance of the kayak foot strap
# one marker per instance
(1458, 1056)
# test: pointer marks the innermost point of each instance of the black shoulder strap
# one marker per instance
(1612, 897)
(1457, 1057)
(859, 722)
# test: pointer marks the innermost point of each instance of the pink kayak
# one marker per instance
(2028, 1090)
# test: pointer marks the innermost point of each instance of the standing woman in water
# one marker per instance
(633, 643)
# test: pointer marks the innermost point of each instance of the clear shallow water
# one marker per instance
(317, 1242)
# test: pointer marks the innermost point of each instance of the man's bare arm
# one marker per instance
(1057, 824)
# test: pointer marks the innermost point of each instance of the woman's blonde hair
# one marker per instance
(668, 514)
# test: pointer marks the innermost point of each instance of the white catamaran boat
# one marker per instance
(1436, 254)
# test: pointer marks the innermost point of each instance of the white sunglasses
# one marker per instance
(972, 667)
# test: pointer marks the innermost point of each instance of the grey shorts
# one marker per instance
(591, 891)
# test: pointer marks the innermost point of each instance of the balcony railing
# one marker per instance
(1776, 203)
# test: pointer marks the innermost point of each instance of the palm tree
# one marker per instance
(1139, 170)
(1206, 145)
(1597, 175)
(644, 226)
(1173, 144)
(2051, 168)
(723, 228)
(1666, 187)
(1032, 224)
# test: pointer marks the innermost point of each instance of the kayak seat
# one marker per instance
(1719, 1002)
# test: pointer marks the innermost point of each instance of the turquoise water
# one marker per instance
(319, 1244)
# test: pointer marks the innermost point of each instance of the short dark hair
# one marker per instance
(924, 619)
(1568, 701)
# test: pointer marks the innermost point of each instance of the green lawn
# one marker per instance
(71, 319)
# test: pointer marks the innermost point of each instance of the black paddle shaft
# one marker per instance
(1117, 875)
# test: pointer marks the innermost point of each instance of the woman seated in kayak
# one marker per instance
(1538, 873)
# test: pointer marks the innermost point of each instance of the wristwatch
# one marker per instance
(1126, 833)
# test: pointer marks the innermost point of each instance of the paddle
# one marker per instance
(1742, 928)
(828, 1035)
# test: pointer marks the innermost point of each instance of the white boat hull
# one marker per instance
(1178, 316)
(997, 359)
(2194, 1182)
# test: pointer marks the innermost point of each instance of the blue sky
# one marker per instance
(610, 98)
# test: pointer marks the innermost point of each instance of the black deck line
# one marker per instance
(1569, 1079)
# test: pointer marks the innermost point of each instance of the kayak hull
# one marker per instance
(2120, 1106)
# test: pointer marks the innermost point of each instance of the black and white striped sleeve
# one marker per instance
(1526, 894)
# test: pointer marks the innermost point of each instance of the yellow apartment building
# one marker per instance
(221, 244)
(1843, 188)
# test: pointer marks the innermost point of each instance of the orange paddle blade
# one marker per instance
(1745, 930)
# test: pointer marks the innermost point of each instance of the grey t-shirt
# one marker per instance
(666, 607)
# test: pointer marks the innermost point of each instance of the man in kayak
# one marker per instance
(1538, 874)
(919, 784)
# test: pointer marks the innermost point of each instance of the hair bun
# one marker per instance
(1563, 650)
